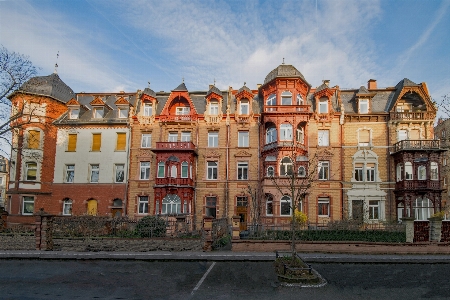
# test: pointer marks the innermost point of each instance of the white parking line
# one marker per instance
(203, 278)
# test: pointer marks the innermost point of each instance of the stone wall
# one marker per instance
(17, 242)
(131, 245)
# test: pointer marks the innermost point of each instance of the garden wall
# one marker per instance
(17, 242)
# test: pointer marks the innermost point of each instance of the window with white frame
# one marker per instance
(173, 171)
(74, 113)
(211, 206)
(323, 138)
(423, 209)
(399, 172)
(67, 207)
(270, 171)
(243, 140)
(300, 100)
(271, 100)
(324, 170)
(214, 108)
(421, 173)
(161, 169)
(323, 207)
(148, 109)
(244, 107)
(98, 112)
(301, 171)
(434, 171)
(171, 204)
(363, 106)
(402, 135)
(285, 206)
(123, 112)
(94, 173)
(144, 168)
(186, 136)
(408, 171)
(119, 172)
(31, 171)
(184, 169)
(370, 171)
(173, 137)
(213, 139)
(271, 135)
(242, 170)
(286, 132)
(286, 98)
(146, 140)
(300, 134)
(363, 137)
(142, 205)
(182, 110)
(323, 105)
(27, 205)
(269, 205)
(401, 210)
(211, 170)
(286, 166)
(359, 171)
(374, 208)
(70, 174)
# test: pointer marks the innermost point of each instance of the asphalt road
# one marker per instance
(98, 279)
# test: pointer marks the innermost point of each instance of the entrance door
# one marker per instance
(358, 210)
(242, 213)
(92, 207)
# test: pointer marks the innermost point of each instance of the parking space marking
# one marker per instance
(203, 278)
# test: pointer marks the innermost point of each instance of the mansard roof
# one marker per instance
(378, 100)
(215, 90)
(284, 71)
(51, 86)
(149, 92)
(181, 88)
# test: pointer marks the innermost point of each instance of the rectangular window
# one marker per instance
(31, 171)
(70, 173)
(243, 139)
(182, 110)
(213, 109)
(434, 171)
(242, 201)
(324, 170)
(161, 170)
(414, 134)
(323, 138)
(74, 113)
(211, 207)
(286, 132)
(121, 141)
(95, 172)
(373, 210)
(143, 205)
(323, 106)
(359, 169)
(98, 112)
(186, 136)
(67, 207)
(96, 141)
(72, 143)
(364, 137)
(173, 137)
(244, 107)
(212, 170)
(323, 207)
(123, 113)
(242, 170)
(422, 173)
(119, 171)
(144, 170)
(27, 205)
(146, 140)
(402, 135)
(213, 139)
(34, 139)
(147, 109)
(184, 169)
(363, 106)
(370, 172)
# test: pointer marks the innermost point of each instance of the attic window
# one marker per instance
(363, 106)
(123, 112)
(404, 107)
(182, 110)
(323, 106)
(98, 112)
(74, 113)
(244, 107)
(214, 108)
(148, 109)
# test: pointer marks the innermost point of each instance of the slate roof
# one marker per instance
(149, 92)
(213, 89)
(284, 71)
(51, 86)
(181, 88)
(402, 83)
(378, 102)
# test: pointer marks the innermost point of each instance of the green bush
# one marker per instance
(151, 226)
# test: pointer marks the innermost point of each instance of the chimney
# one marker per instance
(371, 84)
(258, 85)
(326, 82)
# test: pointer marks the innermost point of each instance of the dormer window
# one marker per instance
(214, 108)
(182, 110)
(244, 107)
(148, 109)
(74, 113)
(363, 106)
(98, 112)
(286, 98)
(123, 112)
(323, 106)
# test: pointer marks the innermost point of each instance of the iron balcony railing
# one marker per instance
(418, 185)
(175, 146)
(287, 108)
(417, 145)
(412, 116)
(174, 181)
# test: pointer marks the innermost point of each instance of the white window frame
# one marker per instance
(399, 171)
(286, 167)
(214, 108)
(363, 106)
(300, 100)
(271, 135)
(408, 171)
(94, 170)
(323, 137)
(213, 139)
(286, 98)
(29, 167)
(423, 209)
(143, 205)
(434, 174)
(117, 171)
(173, 171)
(323, 106)
(173, 137)
(402, 135)
(98, 112)
(321, 202)
(185, 136)
(146, 140)
(144, 170)
(211, 170)
(30, 209)
(284, 201)
(74, 113)
(359, 172)
(374, 210)
(67, 207)
(148, 109)
(286, 132)
(421, 173)
(243, 139)
(182, 110)
(242, 170)
(370, 172)
(69, 174)
(271, 100)
(324, 170)
(244, 107)
(123, 112)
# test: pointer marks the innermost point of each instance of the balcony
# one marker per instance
(287, 108)
(178, 118)
(417, 145)
(175, 146)
(284, 144)
(418, 185)
(174, 181)
(411, 116)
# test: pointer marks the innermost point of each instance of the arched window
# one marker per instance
(171, 204)
(300, 134)
(271, 100)
(285, 206)
(184, 169)
(421, 173)
(67, 207)
(117, 202)
(271, 135)
(270, 171)
(269, 205)
(286, 98)
(286, 166)
(301, 171)
(423, 209)
(286, 132)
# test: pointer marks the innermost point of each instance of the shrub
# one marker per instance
(151, 226)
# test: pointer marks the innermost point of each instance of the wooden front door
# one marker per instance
(242, 213)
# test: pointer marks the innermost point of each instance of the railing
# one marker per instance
(416, 145)
(175, 145)
(144, 120)
(417, 184)
(287, 108)
(283, 144)
(411, 116)
(178, 118)
(243, 119)
(174, 181)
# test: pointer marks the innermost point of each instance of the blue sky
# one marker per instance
(121, 45)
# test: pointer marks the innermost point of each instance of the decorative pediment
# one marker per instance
(121, 101)
(243, 153)
(73, 102)
(244, 93)
(325, 153)
(97, 101)
(212, 154)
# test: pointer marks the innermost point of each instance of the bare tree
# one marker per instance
(444, 105)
